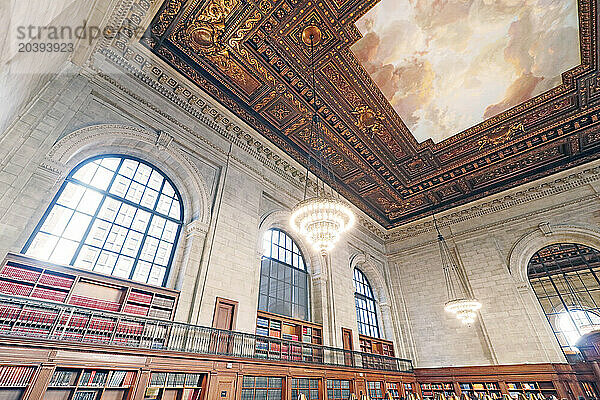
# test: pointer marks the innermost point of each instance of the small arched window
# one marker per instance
(283, 278)
(365, 305)
(115, 215)
(566, 280)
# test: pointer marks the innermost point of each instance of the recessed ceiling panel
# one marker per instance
(446, 65)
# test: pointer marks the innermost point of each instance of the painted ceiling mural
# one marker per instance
(446, 65)
(526, 89)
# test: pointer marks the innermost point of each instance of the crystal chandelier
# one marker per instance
(460, 302)
(322, 218)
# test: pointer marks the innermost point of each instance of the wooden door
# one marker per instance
(348, 345)
(223, 319)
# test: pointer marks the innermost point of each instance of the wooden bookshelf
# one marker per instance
(589, 389)
(431, 391)
(376, 346)
(175, 386)
(280, 327)
(532, 390)
(89, 384)
(27, 277)
(477, 390)
(14, 380)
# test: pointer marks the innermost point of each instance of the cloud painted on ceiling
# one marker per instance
(446, 65)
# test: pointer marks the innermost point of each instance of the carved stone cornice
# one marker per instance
(196, 228)
(496, 204)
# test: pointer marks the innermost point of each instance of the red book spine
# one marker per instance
(91, 378)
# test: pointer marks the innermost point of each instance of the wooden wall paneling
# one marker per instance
(576, 389)
(457, 388)
(141, 383)
(503, 387)
(40, 382)
(222, 386)
(361, 386)
(287, 388)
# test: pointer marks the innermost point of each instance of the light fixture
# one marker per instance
(322, 218)
(460, 302)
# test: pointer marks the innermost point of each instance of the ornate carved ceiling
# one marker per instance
(248, 54)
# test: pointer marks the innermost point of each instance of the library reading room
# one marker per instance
(299, 200)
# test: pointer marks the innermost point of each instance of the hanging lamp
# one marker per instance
(322, 218)
(460, 302)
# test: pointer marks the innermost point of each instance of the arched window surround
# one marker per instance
(366, 305)
(176, 218)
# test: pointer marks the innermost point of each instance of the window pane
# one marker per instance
(71, 195)
(42, 245)
(102, 178)
(120, 186)
(149, 198)
(63, 252)
(77, 226)
(90, 201)
(128, 168)
(98, 233)
(86, 173)
(57, 220)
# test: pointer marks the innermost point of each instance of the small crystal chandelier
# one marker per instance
(321, 219)
(459, 303)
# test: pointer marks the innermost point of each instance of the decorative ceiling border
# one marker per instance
(531, 193)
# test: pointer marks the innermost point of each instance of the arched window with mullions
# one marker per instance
(566, 280)
(283, 277)
(365, 305)
(116, 215)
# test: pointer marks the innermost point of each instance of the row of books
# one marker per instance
(63, 378)
(49, 294)
(94, 303)
(93, 378)
(165, 302)
(34, 275)
(85, 395)
(479, 386)
(161, 314)
(170, 379)
(187, 394)
(15, 272)
(13, 288)
(120, 378)
(531, 396)
(15, 376)
(530, 385)
(56, 281)
(437, 386)
(135, 309)
(140, 297)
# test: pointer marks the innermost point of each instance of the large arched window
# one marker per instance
(113, 214)
(566, 280)
(283, 277)
(365, 305)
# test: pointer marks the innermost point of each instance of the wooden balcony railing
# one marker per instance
(28, 318)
